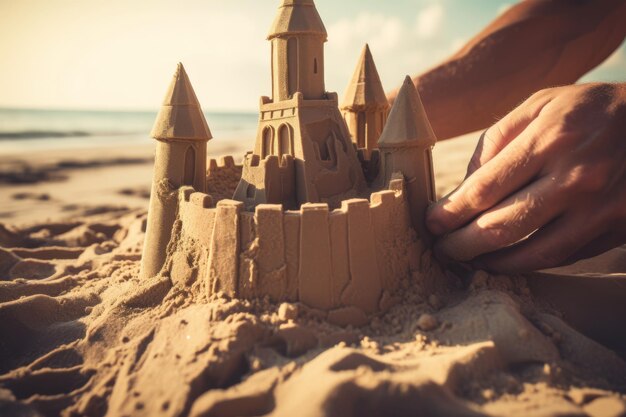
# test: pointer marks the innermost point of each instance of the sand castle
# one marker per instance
(328, 208)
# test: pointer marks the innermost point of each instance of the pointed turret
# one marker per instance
(365, 90)
(407, 124)
(180, 116)
(406, 147)
(182, 134)
(365, 106)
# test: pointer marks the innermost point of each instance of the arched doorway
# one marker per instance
(285, 141)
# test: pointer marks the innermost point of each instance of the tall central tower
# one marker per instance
(298, 36)
(303, 152)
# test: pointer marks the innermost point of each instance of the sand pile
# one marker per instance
(81, 335)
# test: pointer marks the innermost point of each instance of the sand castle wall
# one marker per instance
(223, 177)
(266, 181)
(348, 262)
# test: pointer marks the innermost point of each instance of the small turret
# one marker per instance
(406, 146)
(365, 107)
(182, 134)
(181, 117)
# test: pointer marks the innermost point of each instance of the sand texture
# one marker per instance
(82, 335)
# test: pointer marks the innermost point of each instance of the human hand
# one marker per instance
(545, 187)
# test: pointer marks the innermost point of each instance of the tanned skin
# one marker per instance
(546, 185)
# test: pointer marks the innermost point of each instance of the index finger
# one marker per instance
(505, 161)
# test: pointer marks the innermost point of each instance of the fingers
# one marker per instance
(498, 136)
(553, 245)
(506, 173)
(597, 247)
(509, 222)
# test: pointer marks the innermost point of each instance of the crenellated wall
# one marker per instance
(348, 262)
(223, 177)
(267, 180)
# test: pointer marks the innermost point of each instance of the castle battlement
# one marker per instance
(225, 162)
(353, 257)
(267, 180)
(222, 177)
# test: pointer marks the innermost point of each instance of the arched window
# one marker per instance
(268, 138)
(190, 166)
(361, 126)
(285, 141)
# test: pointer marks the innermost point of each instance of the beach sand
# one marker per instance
(81, 335)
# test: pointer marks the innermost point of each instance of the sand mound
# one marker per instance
(81, 335)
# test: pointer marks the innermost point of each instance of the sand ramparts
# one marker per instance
(348, 262)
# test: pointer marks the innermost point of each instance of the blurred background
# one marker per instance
(81, 80)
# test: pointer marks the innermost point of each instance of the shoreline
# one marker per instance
(63, 183)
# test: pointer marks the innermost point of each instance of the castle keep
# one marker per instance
(328, 208)
(303, 151)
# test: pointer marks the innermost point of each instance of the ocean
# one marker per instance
(26, 129)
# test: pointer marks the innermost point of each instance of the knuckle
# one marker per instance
(480, 194)
(542, 94)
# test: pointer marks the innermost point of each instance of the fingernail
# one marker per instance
(432, 222)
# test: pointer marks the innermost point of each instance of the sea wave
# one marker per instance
(56, 134)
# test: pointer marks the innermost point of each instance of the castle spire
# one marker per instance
(408, 124)
(365, 90)
(297, 17)
(365, 106)
(180, 116)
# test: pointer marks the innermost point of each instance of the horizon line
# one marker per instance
(116, 110)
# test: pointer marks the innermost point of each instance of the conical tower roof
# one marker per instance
(365, 91)
(407, 124)
(297, 17)
(180, 116)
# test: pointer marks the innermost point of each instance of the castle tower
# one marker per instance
(298, 36)
(365, 107)
(406, 147)
(182, 134)
(303, 152)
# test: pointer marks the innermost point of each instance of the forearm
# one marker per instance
(536, 44)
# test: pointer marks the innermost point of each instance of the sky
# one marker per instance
(121, 54)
